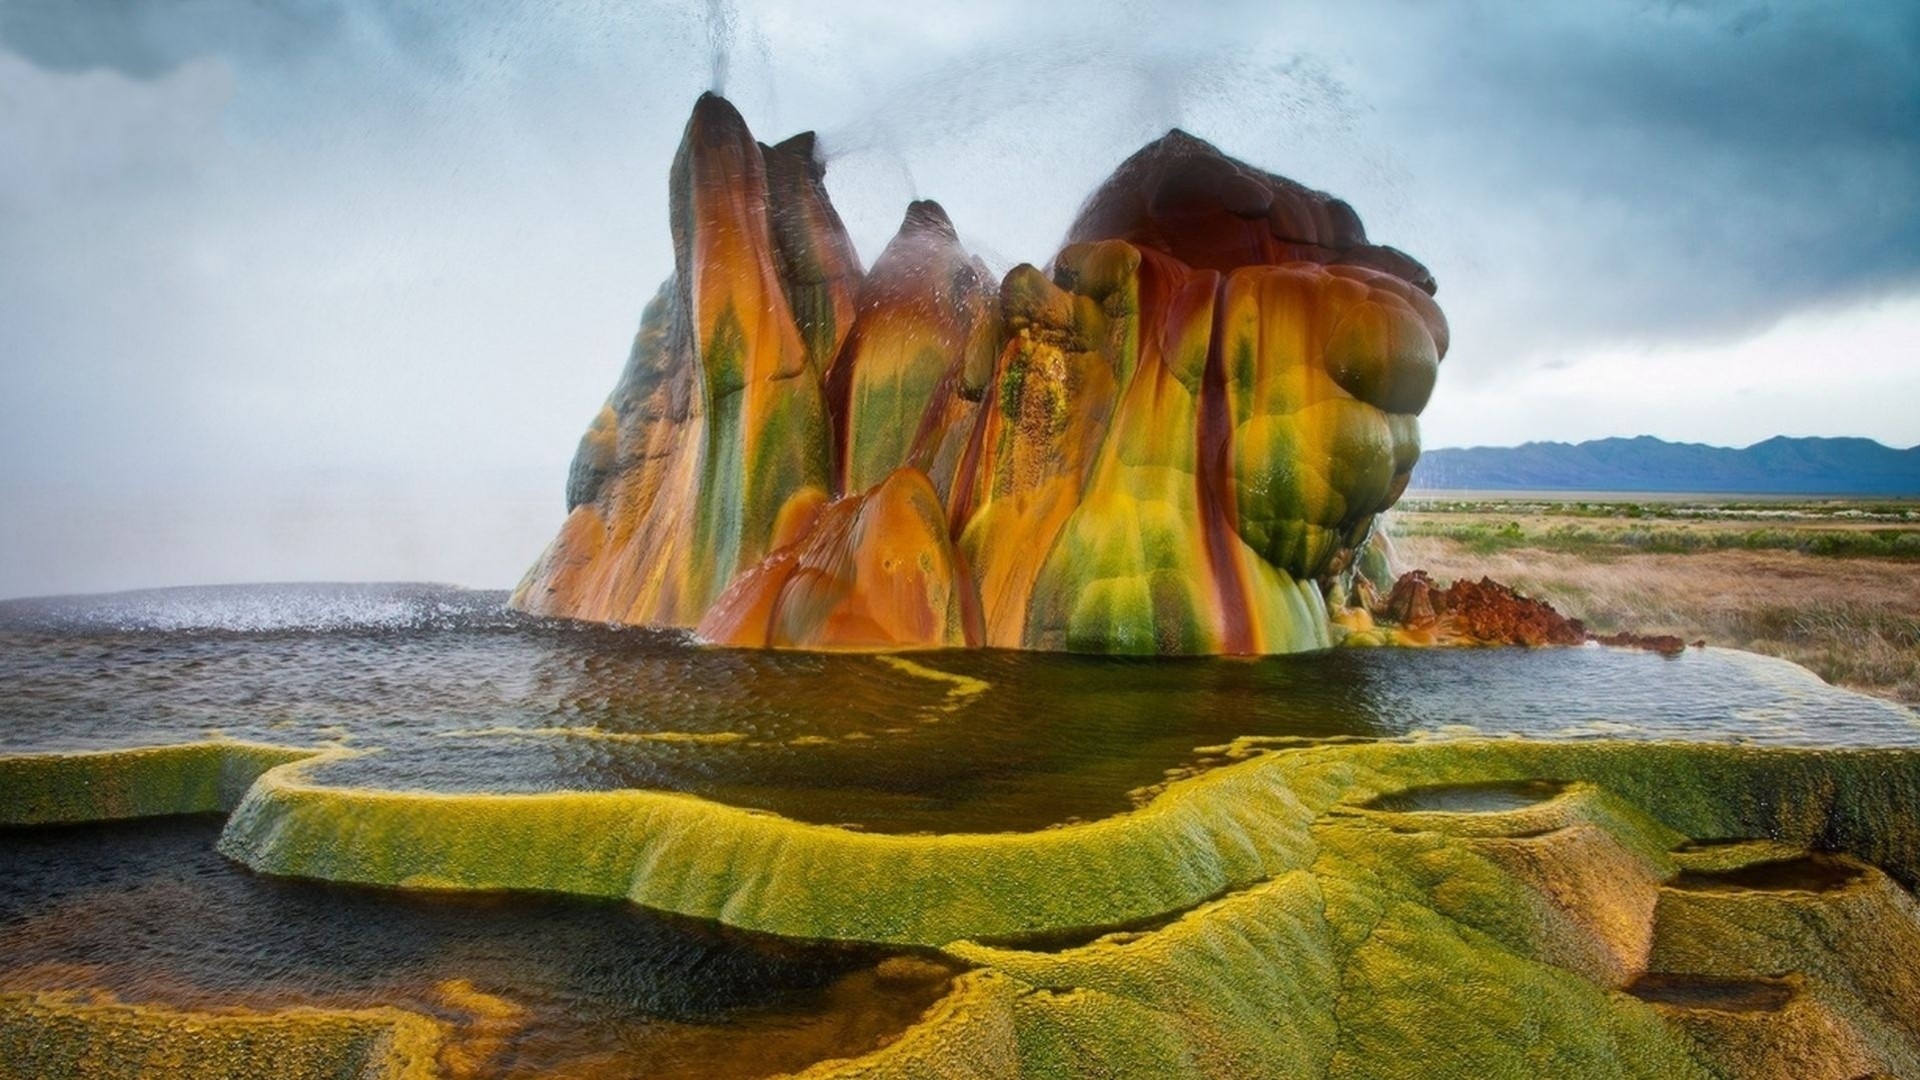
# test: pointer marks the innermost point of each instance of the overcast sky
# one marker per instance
(303, 289)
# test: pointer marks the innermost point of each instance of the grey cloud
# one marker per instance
(148, 39)
(247, 242)
(1700, 170)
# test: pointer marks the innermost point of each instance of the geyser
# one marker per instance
(1174, 441)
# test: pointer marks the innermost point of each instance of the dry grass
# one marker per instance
(1853, 621)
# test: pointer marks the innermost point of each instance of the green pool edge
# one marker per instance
(1318, 936)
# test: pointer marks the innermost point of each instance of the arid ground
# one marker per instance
(1832, 585)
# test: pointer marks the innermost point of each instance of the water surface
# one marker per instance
(455, 693)
(533, 985)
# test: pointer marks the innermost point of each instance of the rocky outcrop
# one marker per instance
(869, 571)
(1474, 613)
(1418, 612)
(1169, 442)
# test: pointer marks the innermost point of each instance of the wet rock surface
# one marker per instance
(1163, 443)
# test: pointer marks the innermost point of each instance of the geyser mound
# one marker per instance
(1173, 442)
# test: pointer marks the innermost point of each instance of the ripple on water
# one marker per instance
(148, 912)
(459, 694)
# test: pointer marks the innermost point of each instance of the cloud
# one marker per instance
(149, 41)
(248, 245)
(1576, 175)
(1789, 381)
(1690, 171)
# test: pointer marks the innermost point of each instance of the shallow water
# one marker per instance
(1714, 992)
(1810, 873)
(1486, 798)
(458, 694)
(147, 911)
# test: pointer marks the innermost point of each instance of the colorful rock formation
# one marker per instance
(1171, 442)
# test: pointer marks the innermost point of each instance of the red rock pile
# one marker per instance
(1486, 612)
(1483, 612)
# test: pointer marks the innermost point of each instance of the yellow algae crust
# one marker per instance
(1224, 829)
(1490, 944)
(46, 1035)
(961, 687)
(594, 734)
(57, 788)
(759, 871)
(1336, 920)
(967, 1035)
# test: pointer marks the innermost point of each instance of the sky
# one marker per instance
(309, 290)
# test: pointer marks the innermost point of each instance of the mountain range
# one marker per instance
(1778, 466)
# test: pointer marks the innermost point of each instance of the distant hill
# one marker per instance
(1778, 466)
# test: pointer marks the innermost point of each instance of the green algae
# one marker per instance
(1227, 828)
(61, 1034)
(1424, 953)
(754, 870)
(1335, 923)
(106, 785)
(1843, 929)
